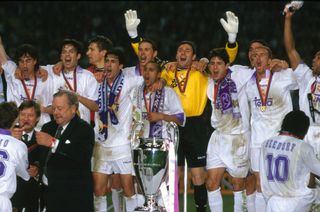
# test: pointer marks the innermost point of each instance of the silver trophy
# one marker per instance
(150, 160)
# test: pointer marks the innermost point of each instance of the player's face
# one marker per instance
(26, 64)
(262, 59)
(185, 56)
(95, 56)
(252, 57)
(62, 111)
(316, 64)
(150, 74)
(69, 57)
(28, 119)
(217, 68)
(112, 67)
(146, 53)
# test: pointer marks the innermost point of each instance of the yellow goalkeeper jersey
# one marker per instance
(190, 85)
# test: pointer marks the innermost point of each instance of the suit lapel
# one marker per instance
(67, 132)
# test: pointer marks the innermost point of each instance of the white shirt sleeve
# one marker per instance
(310, 158)
(9, 68)
(92, 83)
(22, 162)
(303, 75)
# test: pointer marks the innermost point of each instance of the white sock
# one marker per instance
(215, 200)
(131, 203)
(260, 203)
(100, 203)
(140, 199)
(116, 199)
(238, 201)
(251, 202)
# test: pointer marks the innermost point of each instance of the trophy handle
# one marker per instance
(173, 132)
(134, 135)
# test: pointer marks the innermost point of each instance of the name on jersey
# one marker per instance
(284, 146)
(258, 103)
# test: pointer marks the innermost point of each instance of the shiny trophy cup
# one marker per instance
(150, 160)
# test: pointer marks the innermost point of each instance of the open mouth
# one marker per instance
(67, 61)
(143, 59)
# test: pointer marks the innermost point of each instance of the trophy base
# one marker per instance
(154, 209)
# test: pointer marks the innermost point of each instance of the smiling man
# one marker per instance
(28, 192)
(68, 142)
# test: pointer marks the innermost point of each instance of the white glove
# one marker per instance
(132, 22)
(230, 26)
(294, 5)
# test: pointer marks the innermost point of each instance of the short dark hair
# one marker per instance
(296, 122)
(158, 67)
(103, 43)
(118, 52)
(27, 50)
(72, 97)
(8, 114)
(76, 44)
(30, 104)
(191, 43)
(153, 44)
(221, 53)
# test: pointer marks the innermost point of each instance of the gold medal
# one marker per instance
(263, 108)
(114, 107)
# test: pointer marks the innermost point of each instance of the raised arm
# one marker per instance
(231, 26)
(132, 22)
(289, 44)
(3, 54)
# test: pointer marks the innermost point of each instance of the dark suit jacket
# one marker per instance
(70, 183)
(27, 193)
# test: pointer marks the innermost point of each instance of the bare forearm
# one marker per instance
(289, 44)
(91, 105)
(3, 54)
(171, 118)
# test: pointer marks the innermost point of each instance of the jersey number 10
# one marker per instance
(278, 168)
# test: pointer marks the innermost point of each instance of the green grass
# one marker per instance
(227, 203)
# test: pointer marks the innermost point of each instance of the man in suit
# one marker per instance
(28, 192)
(69, 143)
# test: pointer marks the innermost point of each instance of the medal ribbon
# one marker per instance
(264, 97)
(33, 89)
(215, 92)
(74, 88)
(182, 86)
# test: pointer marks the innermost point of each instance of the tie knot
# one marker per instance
(58, 133)
(25, 137)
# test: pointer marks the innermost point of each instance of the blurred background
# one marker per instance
(45, 24)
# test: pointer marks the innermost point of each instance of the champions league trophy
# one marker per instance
(150, 160)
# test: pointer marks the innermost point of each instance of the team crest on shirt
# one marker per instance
(173, 83)
(22, 98)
